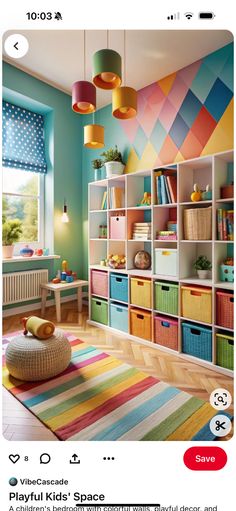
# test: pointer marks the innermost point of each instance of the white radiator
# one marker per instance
(23, 285)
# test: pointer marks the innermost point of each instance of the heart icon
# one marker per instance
(14, 458)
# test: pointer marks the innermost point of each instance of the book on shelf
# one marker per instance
(225, 224)
(141, 230)
(116, 197)
(166, 186)
(104, 200)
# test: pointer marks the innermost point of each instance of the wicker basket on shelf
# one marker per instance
(198, 224)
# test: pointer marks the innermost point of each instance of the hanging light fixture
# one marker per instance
(84, 93)
(107, 68)
(65, 218)
(94, 136)
(124, 99)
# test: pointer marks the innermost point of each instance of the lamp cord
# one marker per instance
(107, 39)
(84, 58)
(124, 57)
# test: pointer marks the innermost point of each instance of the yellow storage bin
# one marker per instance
(141, 323)
(141, 292)
(197, 303)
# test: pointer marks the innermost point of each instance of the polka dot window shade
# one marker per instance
(23, 139)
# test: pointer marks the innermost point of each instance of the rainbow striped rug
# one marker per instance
(98, 397)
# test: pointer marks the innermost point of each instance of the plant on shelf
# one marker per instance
(202, 265)
(97, 165)
(113, 162)
(11, 231)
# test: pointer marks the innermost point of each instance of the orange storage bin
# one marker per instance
(141, 292)
(141, 323)
(197, 303)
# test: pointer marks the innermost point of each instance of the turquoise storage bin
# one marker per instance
(197, 341)
(119, 316)
(119, 287)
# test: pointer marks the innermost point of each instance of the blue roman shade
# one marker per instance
(23, 144)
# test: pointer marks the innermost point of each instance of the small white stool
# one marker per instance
(57, 288)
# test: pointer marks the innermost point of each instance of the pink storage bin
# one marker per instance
(99, 283)
(166, 332)
(225, 309)
(117, 228)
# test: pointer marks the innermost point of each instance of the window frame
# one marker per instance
(41, 215)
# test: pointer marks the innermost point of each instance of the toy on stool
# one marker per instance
(146, 200)
(40, 328)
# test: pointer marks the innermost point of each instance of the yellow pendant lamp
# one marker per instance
(124, 99)
(94, 136)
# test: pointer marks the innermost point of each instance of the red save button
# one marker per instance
(205, 458)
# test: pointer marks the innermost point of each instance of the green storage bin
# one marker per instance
(99, 310)
(225, 351)
(166, 297)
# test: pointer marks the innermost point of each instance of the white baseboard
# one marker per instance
(34, 306)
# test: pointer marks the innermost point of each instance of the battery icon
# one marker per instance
(206, 15)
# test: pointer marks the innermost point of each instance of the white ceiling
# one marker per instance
(56, 57)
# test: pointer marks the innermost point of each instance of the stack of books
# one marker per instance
(166, 187)
(142, 231)
(225, 225)
(166, 235)
(116, 198)
(104, 201)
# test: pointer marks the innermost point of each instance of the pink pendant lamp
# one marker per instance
(84, 93)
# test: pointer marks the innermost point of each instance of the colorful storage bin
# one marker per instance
(119, 316)
(141, 292)
(166, 332)
(119, 287)
(225, 309)
(226, 273)
(197, 341)
(117, 228)
(198, 224)
(197, 303)
(99, 283)
(166, 297)
(166, 261)
(225, 351)
(99, 311)
(141, 323)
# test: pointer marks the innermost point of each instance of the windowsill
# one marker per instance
(20, 259)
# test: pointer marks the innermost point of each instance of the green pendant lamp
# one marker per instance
(107, 68)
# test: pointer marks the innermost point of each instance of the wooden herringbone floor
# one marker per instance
(20, 424)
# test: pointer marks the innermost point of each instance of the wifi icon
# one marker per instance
(188, 15)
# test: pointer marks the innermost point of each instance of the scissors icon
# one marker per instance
(219, 425)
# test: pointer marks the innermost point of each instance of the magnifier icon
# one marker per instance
(45, 458)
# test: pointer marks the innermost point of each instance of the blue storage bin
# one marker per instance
(197, 341)
(119, 316)
(119, 287)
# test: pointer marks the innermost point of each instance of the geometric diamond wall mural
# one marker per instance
(185, 115)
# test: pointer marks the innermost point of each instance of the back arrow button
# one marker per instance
(16, 46)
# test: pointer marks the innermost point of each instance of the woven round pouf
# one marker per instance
(31, 359)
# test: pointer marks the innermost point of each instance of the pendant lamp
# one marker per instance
(124, 99)
(94, 136)
(107, 68)
(84, 93)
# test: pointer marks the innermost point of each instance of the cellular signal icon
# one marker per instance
(175, 16)
(188, 15)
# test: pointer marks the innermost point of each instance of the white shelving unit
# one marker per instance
(204, 170)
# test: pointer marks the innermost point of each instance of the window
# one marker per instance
(24, 168)
(23, 198)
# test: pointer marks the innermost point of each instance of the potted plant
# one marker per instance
(113, 162)
(11, 230)
(97, 165)
(202, 265)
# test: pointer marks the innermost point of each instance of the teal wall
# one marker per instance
(64, 135)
